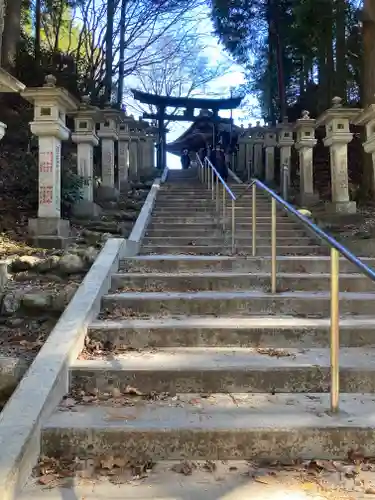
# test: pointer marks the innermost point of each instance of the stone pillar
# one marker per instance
(150, 151)
(123, 156)
(241, 157)
(249, 153)
(133, 151)
(85, 137)
(107, 191)
(336, 120)
(258, 139)
(50, 107)
(270, 144)
(305, 142)
(285, 143)
(367, 118)
(142, 157)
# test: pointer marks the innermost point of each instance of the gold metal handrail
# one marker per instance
(209, 175)
(336, 249)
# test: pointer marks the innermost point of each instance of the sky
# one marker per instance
(219, 88)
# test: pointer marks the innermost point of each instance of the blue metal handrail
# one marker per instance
(228, 190)
(319, 232)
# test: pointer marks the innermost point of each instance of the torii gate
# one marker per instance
(190, 105)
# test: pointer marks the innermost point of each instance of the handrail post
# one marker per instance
(208, 176)
(273, 246)
(254, 220)
(335, 330)
(212, 183)
(224, 207)
(233, 225)
(217, 199)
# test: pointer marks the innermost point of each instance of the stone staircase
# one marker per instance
(193, 358)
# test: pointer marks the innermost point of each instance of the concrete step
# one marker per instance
(220, 240)
(210, 211)
(260, 331)
(227, 250)
(241, 303)
(202, 219)
(211, 222)
(204, 263)
(225, 369)
(208, 201)
(223, 427)
(223, 281)
(185, 210)
(214, 229)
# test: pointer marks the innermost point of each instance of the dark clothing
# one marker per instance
(185, 161)
(217, 159)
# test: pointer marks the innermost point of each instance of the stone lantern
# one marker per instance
(108, 135)
(142, 157)
(305, 142)
(242, 142)
(150, 141)
(367, 118)
(85, 137)
(123, 153)
(270, 142)
(257, 137)
(51, 104)
(336, 121)
(285, 143)
(133, 150)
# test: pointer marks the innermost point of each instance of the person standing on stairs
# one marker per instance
(217, 159)
(185, 159)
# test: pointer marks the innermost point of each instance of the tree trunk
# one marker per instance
(109, 51)
(121, 69)
(2, 20)
(11, 34)
(274, 22)
(368, 87)
(37, 31)
(341, 63)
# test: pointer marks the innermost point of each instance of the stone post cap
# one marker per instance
(337, 102)
(50, 81)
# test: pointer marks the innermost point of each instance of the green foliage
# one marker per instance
(71, 187)
(315, 43)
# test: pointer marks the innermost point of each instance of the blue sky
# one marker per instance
(219, 88)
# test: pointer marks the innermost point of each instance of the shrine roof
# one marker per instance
(186, 102)
(200, 132)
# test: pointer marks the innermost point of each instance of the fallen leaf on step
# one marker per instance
(209, 465)
(355, 456)
(278, 353)
(48, 480)
(132, 391)
(107, 462)
(260, 479)
(186, 468)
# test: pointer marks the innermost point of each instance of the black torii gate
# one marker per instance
(190, 104)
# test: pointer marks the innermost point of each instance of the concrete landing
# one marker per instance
(232, 480)
(216, 427)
